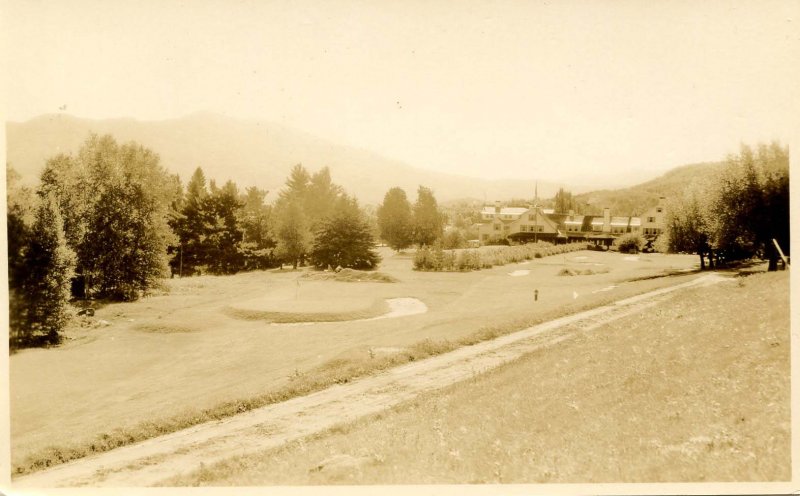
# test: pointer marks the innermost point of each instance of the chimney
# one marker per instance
(606, 219)
(497, 207)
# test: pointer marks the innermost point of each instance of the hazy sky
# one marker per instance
(493, 89)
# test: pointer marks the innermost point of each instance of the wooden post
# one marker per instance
(780, 252)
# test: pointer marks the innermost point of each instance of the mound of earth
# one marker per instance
(582, 272)
(331, 309)
(350, 275)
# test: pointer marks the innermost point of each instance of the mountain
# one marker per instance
(251, 153)
(636, 199)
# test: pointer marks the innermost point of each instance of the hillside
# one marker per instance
(636, 199)
(248, 152)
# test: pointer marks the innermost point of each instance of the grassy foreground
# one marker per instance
(694, 390)
(175, 360)
(336, 371)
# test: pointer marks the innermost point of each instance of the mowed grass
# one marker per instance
(331, 309)
(177, 359)
(695, 389)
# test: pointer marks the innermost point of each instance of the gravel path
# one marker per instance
(154, 460)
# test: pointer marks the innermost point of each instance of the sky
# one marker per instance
(556, 89)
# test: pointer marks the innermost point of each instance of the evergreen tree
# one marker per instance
(20, 215)
(428, 222)
(344, 239)
(321, 197)
(292, 228)
(395, 221)
(223, 233)
(190, 227)
(297, 185)
(291, 231)
(563, 202)
(257, 242)
(49, 265)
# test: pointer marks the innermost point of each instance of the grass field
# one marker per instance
(695, 390)
(171, 360)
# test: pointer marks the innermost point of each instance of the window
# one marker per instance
(659, 210)
(485, 237)
(651, 219)
(497, 227)
(523, 228)
(506, 228)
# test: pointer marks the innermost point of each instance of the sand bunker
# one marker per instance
(398, 307)
(401, 307)
(518, 273)
(607, 288)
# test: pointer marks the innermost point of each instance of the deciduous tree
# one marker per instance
(395, 221)
(428, 222)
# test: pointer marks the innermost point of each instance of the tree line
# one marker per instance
(110, 223)
(401, 225)
(739, 213)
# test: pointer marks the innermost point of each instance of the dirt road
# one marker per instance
(154, 460)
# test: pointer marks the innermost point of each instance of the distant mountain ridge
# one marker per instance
(251, 153)
(636, 199)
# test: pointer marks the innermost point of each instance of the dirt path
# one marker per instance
(154, 460)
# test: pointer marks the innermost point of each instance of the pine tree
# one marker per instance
(292, 228)
(291, 231)
(344, 239)
(20, 215)
(257, 242)
(190, 227)
(49, 266)
(223, 233)
(321, 197)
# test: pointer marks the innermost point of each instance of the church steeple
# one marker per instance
(536, 194)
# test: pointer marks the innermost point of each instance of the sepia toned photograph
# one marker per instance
(421, 247)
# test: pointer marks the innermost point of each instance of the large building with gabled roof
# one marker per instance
(534, 223)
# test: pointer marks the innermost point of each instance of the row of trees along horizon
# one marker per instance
(110, 223)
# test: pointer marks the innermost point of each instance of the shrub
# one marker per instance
(468, 260)
(437, 259)
(453, 239)
(661, 244)
(629, 243)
